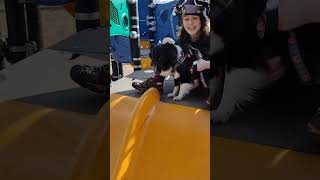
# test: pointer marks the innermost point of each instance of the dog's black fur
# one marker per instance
(165, 56)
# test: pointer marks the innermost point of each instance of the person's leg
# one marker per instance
(156, 81)
(117, 70)
(242, 87)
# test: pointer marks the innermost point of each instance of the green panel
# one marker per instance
(119, 18)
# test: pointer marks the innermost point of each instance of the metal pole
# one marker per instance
(33, 22)
(135, 34)
(17, 35)
(2, 50)
(117, 70)
(151, 21)
(87, 14)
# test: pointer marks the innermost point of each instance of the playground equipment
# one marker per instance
(148, 142)
(120, 31)
(48, 143)
(151, 139)
(167, 25)
(24, 25)
(155, 21)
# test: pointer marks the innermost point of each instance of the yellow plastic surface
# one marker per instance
(234, 159)
(145, 63)
(40, 143)
(144, 44)
(145, 60)
(151, 140)
(70, 8)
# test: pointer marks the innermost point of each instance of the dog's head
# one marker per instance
(167, 55)
(167, 59)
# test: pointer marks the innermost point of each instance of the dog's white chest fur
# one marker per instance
(180, 90)
(169, 72)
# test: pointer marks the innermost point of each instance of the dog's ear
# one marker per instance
(172, 53)
(154, 51)
(154, 54)
(167, 56)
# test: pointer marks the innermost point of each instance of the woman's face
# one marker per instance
(192, 25)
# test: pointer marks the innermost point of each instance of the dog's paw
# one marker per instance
(171, 95)
(178, 98)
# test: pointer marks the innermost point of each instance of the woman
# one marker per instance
(194, 32)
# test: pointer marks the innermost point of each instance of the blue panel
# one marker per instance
(120, 48)
(51, 2)
(143, 13)
(167, 24)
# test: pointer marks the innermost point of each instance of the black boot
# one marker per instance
(96, 79)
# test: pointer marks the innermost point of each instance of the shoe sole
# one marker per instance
(139, 89)
(143, 90)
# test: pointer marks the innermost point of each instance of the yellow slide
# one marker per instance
(38, 143)
(150, 139)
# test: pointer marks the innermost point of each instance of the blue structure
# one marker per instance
(143, 22)
(120, 46)
(167, 25)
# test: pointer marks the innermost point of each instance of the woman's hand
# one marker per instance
(203, 65)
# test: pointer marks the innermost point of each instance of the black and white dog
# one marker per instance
(172, 60)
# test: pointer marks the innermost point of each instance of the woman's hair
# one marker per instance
(184, 37)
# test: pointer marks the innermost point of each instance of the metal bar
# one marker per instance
(16, 24)
(135, 36)
(87, 14)
(33, 24)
